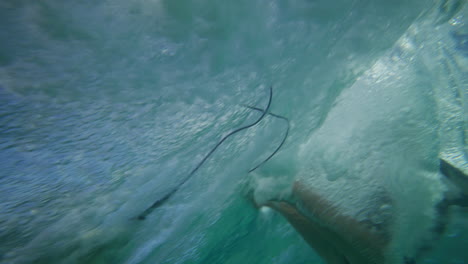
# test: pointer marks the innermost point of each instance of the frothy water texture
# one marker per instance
(106, 106)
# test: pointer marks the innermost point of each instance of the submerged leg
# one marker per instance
(459, 179)
(337, 238)
(353, 239)
(313, 233)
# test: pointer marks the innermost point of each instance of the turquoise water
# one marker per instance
(106, 106)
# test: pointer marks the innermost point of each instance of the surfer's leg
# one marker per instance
(328, 214)
(312, 232)
(353, 238)
(457, 196)
(318, 237)
(459, 179)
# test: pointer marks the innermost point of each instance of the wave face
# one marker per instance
(106, 106)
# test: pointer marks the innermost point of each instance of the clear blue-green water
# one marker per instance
(106, 106)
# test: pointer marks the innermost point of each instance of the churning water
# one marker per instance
(106, 106)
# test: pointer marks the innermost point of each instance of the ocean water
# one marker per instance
(107, 106)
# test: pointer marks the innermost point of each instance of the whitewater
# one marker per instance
(106, 107)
